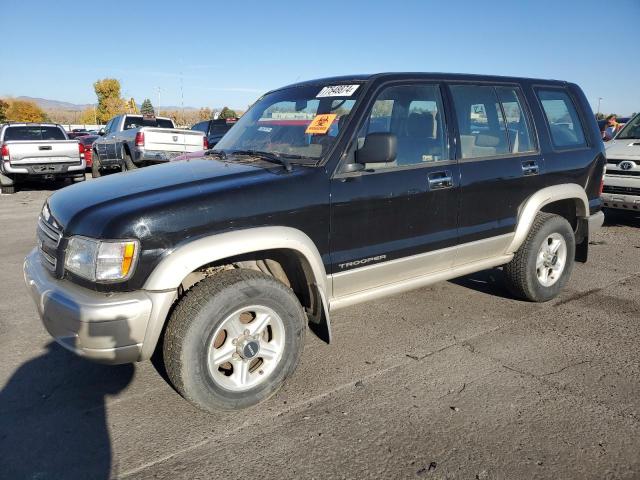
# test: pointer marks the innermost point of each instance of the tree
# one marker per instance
(4, 106)
(226, 112)
(204, 113)
(88, 116)
(147, 108)
(131, 106)
(25, 111)
(110, 103)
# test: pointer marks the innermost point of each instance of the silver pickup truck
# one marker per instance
(41, 150)
(131, 141)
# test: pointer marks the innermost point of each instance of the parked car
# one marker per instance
(214, 130)
(87, 142)
(622, 181)
(38, 150)
(131, 141)
(221, 262)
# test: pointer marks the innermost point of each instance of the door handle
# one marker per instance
(440, 180)
(530, 167)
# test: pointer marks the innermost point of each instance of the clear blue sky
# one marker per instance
(231, 52)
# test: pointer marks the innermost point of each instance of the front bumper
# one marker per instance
(621, 198)
(105, 327)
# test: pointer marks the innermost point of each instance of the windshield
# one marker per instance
(300, 122)
(631, 129)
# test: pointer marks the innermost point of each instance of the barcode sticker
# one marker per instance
(337, 91)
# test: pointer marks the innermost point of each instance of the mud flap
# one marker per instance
(582, 240)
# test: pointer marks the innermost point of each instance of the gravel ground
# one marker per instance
(457, 380)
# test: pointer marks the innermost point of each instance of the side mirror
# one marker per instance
(379, 147)
(101, 132)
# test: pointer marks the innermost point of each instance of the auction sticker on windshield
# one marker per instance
(337, 91)
(321, 123)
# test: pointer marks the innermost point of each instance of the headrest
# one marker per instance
(487, 141)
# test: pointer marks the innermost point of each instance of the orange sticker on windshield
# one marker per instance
(321, 123)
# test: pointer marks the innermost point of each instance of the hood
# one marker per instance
(625, 148)
(115, 205)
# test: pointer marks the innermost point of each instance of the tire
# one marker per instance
(536, 273)
(206, 322)
(7, 184)
(95, 165)
(128, 163)
(79, 179)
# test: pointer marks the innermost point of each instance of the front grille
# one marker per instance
(48, 241)
(615, 161)
(621, 190)
(626, 173)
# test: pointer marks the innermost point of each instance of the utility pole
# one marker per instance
(598, 113)
(182, 98)
(158, 107)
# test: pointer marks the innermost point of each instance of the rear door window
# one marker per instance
(482, 126)
(521, 136)
(562, 118)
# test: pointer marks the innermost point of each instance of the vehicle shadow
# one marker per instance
(490, 281)
(621, 218)
(53, 419)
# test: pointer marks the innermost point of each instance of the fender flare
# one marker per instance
(174, 268)
(179, 263)
(541, 198)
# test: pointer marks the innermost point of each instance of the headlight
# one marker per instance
(101, 261)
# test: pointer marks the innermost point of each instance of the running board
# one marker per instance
(416, 282)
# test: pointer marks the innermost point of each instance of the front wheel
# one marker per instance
(543, 264)
(233, 340)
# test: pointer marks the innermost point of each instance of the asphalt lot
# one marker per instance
(453, 381)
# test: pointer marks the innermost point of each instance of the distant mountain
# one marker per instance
(47, 104)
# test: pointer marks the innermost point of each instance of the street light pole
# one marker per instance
(598, 113)
(158, 108)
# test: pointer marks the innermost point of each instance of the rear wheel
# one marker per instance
(128, 163)
(7, 184)
(233, 339)
(95, 165)
(543, 264)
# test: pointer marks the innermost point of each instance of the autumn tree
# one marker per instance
(25, 111)
(147, 107)
(88, 116)
(226, 112)
(110, 103)
(4, 106)
(204, 113)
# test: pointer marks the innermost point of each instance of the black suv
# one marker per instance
(325, 194)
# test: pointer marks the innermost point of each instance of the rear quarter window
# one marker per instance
(562, 119)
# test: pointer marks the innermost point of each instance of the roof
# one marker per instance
(417, 75)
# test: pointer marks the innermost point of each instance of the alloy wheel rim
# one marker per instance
(246, 348)
(551, 259)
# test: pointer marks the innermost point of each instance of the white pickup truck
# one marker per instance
(131, 141)
(41, 150)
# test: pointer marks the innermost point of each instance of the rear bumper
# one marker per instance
(595, 222)
(44, 168)
(159, 156)
(105, 327)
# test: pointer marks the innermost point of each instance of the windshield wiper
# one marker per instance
(280, 158)
(218, 153)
